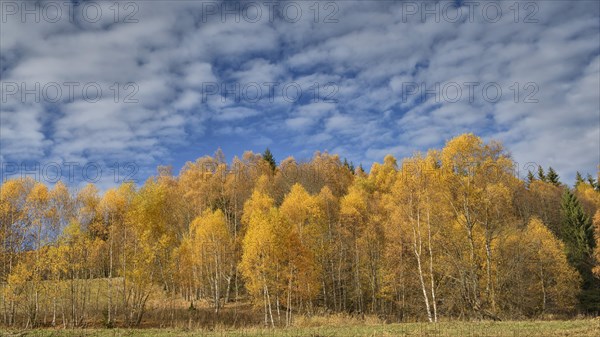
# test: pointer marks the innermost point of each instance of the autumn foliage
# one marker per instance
(451, 233)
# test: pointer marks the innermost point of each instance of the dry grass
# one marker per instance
(334, 320)
(346, 327)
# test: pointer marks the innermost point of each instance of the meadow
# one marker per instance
(579, 327)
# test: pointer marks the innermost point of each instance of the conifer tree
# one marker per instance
(576, 229)
(541, 174)
(578, 179)
(592, 181)
(268, 157)
(552, 177)
(349, 165)
(578, 236)
(360, 170)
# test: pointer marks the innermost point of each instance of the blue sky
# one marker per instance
(377, 66)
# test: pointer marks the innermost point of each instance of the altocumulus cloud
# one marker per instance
(358, 78)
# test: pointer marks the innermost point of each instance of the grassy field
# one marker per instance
(588, 328)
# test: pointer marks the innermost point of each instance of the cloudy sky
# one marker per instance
(161, 83)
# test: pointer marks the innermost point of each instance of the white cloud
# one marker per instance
(368, 55)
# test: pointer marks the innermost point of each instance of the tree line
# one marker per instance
(450, 233)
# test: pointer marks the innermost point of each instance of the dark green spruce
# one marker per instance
(268, 157)
(578, 235)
